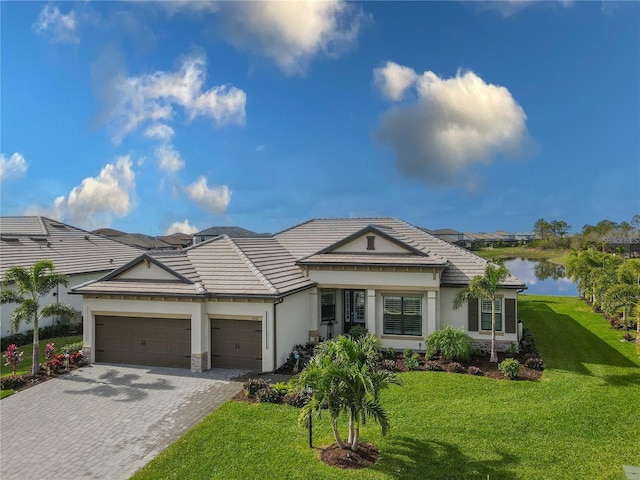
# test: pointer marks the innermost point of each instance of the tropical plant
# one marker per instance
(450, 343)
(484, 287)
(49, 353)
(13, 357)
(345, 378)
(31, 284)
(510, 368)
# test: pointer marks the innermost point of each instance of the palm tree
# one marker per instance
(345, 379)
(484, 287)
(31, 284)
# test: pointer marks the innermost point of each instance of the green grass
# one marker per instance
(580, 421)
(553, 255)
(25, 365)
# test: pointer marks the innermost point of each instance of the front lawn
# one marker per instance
(580, 421)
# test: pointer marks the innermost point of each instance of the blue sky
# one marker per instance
(156, 117)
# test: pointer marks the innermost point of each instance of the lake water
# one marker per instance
(542, 277)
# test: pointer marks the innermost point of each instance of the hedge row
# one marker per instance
(50, 331)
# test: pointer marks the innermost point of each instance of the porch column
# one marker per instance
(371, 311)
(200, 338)
(314, 315)
(431, 312)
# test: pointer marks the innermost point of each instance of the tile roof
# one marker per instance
(268, 266)
(24, 240)
(310, 237)
(233, 232)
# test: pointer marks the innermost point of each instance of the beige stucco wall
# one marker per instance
(375, 278)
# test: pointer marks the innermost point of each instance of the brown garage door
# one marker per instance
(236, 344)
(163, 342)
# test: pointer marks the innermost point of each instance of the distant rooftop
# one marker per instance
(233, 232)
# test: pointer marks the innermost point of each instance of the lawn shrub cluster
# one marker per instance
(12, 383)
(61, 363)
(357, 332)
(527, 344)
(473, 370)
(452, 344)
(535, 363)
(510, 368)
(297, 399)
(50, 331)
(389, 365)
(300, 356)
(72, 347)
(432, 366)
(268, 394)
(457, 367)
(252, 386)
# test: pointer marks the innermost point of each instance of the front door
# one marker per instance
(354, 309)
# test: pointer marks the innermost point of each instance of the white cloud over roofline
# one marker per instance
(211, 199)
(13, 167)
(152, 98)
(449, 125)
(98, 199)
(291, 33)
(56, 26)
(182, 227)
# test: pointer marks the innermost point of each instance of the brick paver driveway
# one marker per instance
(104, 421)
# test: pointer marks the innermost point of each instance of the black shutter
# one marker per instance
(473, 315)
(510, 315)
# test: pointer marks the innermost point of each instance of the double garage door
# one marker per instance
(236, 344)
(166, 342)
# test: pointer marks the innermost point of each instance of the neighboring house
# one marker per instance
(233, 232)
(80, 254)
(147, 242)
(451, 236)
(246, 302)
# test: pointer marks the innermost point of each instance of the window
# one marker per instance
(485, 322)
(327, 305)
(402, 315)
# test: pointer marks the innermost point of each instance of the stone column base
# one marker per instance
(199, 362)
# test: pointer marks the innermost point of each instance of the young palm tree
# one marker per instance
(484, 287)
(345, 379)
(31, 284)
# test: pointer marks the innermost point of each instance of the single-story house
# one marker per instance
(81, 255)
(246, 302)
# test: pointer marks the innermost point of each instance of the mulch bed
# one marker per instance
(366, 456)
(41, 377)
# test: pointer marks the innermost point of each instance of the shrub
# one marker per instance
(473, 370)
(13, 357)
(433, 366)
(535, 363)
(49, 353)
(268, 394)
(512, 351)
(390, 353)
(72, 347)
(413, 361)
(282, 388)
(252, 385)
(451, 343)
(297, 399)
(389, 365)
(628, 337)
(11, 383)
(457, 367)
(357, 332)
(510, 368)
(300, 356)
(407, 353)
(527, 344)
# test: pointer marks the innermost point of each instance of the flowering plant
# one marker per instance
(13, 357)
(49, 353)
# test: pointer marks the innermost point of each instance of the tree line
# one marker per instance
(606, 235)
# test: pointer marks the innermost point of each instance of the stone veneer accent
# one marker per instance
(86, 351)
(199, 362)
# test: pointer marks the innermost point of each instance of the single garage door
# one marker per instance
(162, 342)
(236, 344)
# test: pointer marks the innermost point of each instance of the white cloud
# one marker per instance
(57, 27)
(169, 159)
(393, 80)
(182, 227)
(508, 8)
(211, 199)
(159, 131)
(453, 124)
(151, 97)
(93, 203)
(13, 167)
(290, 33)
